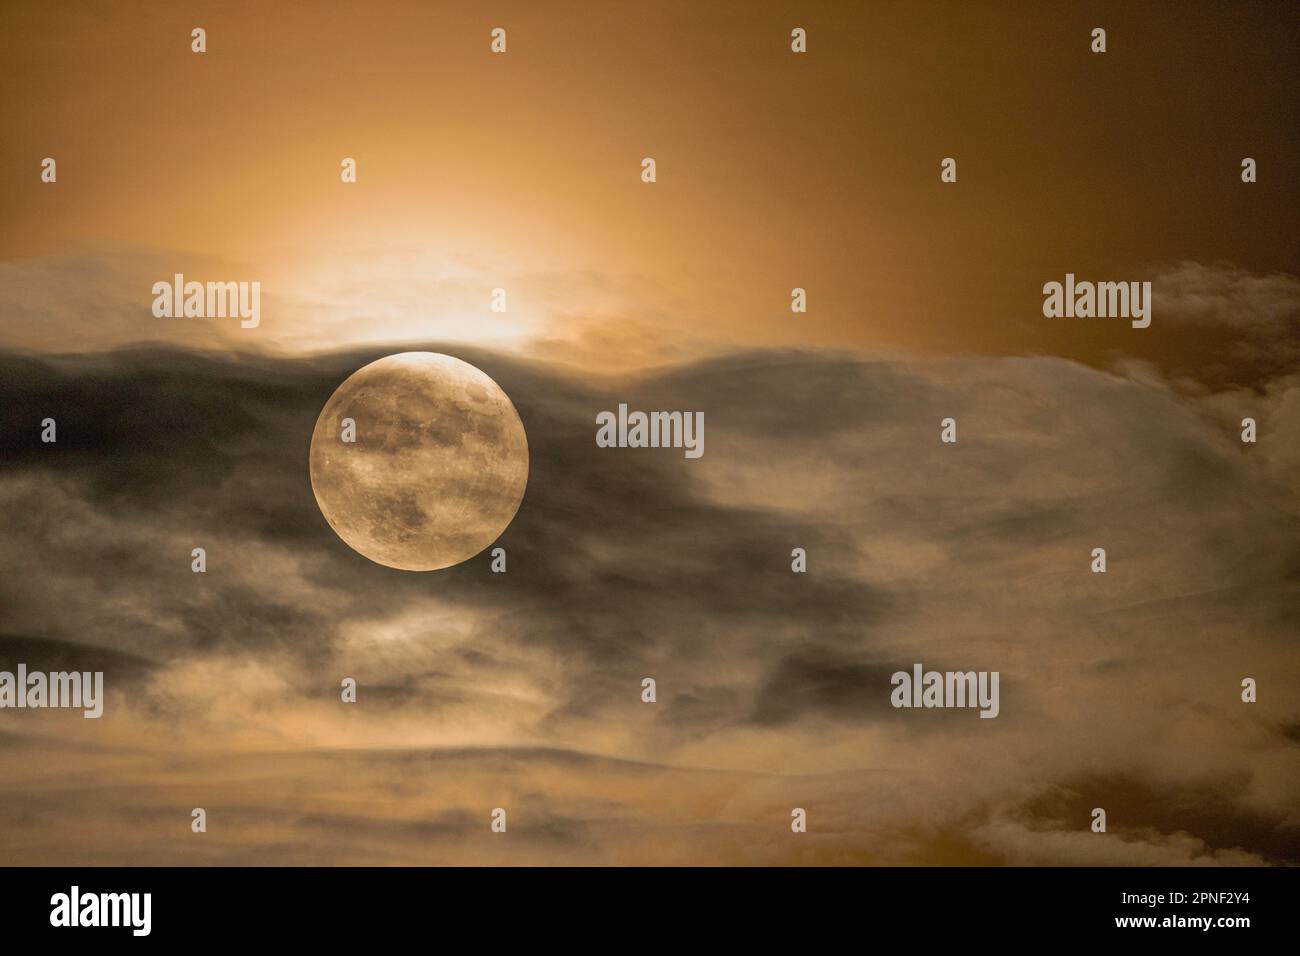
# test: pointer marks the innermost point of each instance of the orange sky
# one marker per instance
(775, 170)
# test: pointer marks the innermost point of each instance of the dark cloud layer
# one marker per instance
(212, 446)
(773, 687)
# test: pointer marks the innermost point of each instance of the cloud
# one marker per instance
(1018, 846)
(97, 296)
(1233, 327)
(773, 687)
(1227, 295)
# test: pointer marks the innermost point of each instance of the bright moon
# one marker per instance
(438, 467)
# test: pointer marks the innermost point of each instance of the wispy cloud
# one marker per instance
(625, 564)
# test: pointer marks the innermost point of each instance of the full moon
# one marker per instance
(437, 467)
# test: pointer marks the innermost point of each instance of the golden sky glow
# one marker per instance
(775, 171)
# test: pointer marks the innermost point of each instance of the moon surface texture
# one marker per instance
(438, 467)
